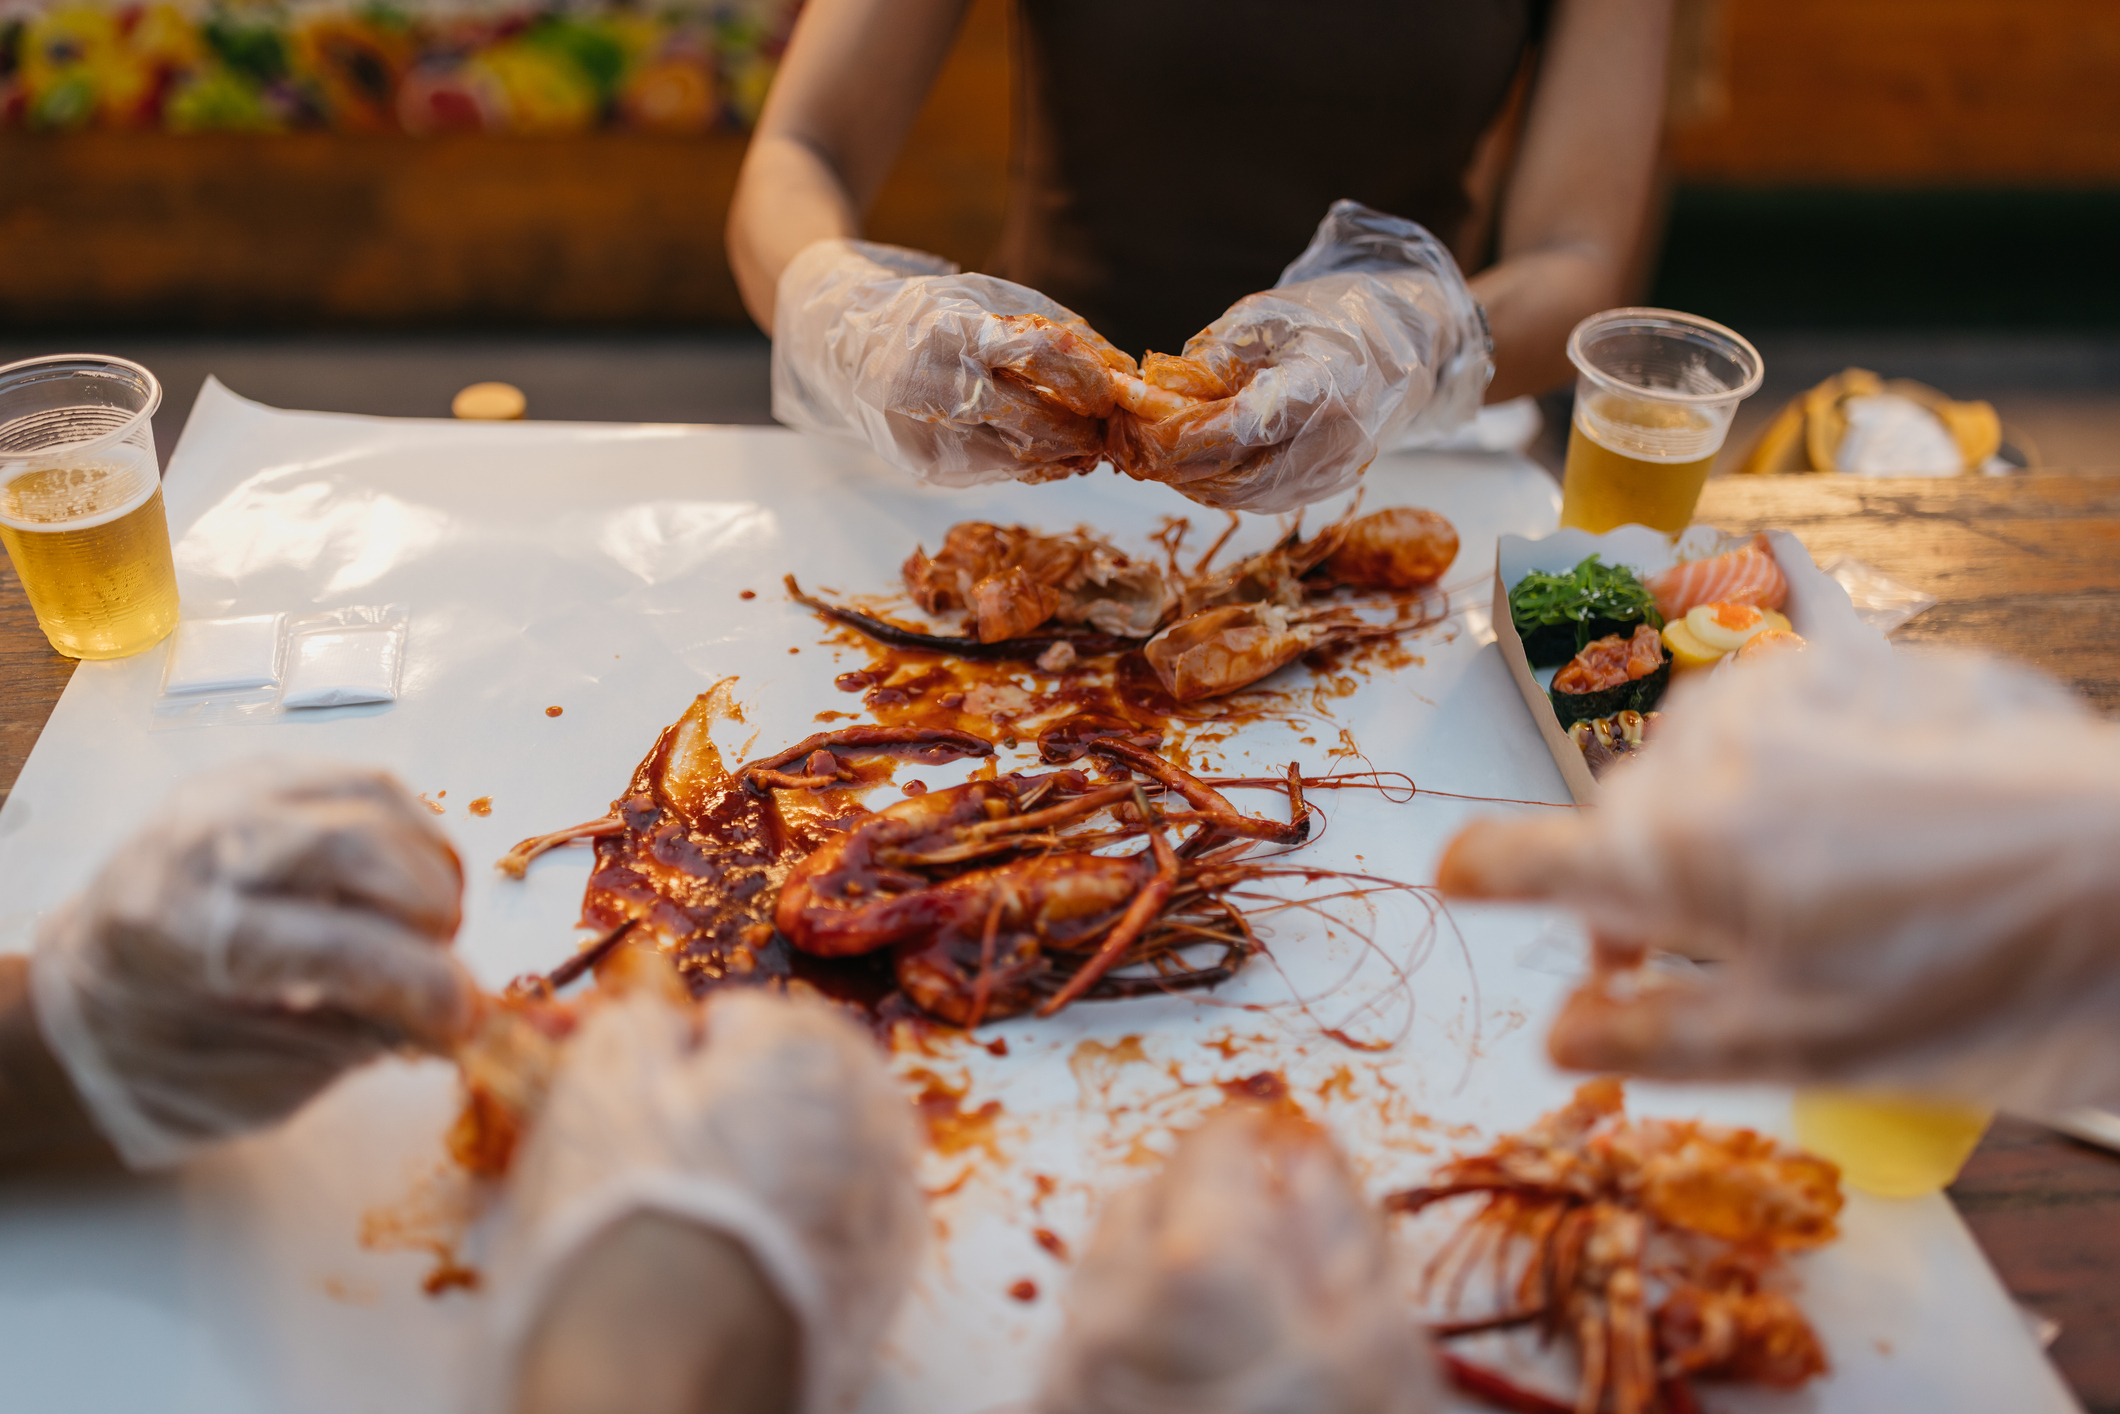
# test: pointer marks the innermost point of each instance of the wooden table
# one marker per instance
(2027, 565)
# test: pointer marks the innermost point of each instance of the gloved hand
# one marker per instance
(956, 378)
(1249, 1277)
(277, 923)
(1909, 862)
(778, 1125)
(1288, 396)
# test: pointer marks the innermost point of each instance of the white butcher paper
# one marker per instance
(597, 568)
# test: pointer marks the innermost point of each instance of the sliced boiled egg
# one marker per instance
(1725, 627)
(1687, 651)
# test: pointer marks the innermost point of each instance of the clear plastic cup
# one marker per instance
(1654, 394)
(1895, 1146)
(81, 502)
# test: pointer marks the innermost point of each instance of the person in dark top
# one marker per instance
(1169, 161)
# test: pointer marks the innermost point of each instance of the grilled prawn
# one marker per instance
(1648, 1241)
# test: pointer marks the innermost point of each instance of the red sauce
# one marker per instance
(1051, 1241)
(554, 711)
(1025, 1290)
(1108, 695)
(482, 806)
(1267, 1087)
(699, 865)
(747, 594)
(951, 1128)
(450, 1275)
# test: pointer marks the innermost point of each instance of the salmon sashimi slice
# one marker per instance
(1744, 576)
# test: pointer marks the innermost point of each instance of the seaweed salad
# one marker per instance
(1558, 615)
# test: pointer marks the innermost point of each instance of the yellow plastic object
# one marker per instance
(490, 402)
(1891, 1145)
(1805, 435)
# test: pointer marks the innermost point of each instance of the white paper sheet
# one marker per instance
(597, 568)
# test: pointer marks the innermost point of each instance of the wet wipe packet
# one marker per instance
(345, 657)
(259, 667)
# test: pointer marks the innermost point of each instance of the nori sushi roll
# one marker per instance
(1602, 660)
(1559, 615)
(1549, 645)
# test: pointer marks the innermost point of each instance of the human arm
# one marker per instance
(768, 1135)
(42, 1119)
(657, 1315)
(955, 378)
(1900, 865)
(849, 86)
(1577, 202)
(273, 925)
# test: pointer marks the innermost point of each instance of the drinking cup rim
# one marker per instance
(116, 434)
(1741, 351)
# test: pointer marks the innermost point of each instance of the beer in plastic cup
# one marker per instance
(1654, 394)
(81, 502)
(1896, 1146)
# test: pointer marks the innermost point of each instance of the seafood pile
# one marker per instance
(1652, 1244)
(966, 904)
(1056, 600)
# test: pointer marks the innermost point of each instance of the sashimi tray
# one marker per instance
(602, 570)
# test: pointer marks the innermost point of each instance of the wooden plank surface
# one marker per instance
(1947, 92)
(2023, 565)
(32, 676)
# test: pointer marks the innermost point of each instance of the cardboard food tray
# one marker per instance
(1818, 608)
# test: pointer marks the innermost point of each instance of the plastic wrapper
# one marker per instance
(939, 373)
(221, 670)
(258, 667)
(1880, 601)
(1369, 339)
(1903, 864)
(277, 923)
(1249, 1277)
(345, 657)
(780, 1126)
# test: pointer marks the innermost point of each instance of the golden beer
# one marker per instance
(1614, 477)
(91, 544)
(1654, 394)
(1893, 1146)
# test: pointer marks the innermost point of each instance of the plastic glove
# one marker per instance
(957, 378)
(1288, 396)
(1907, 860)
(276, 924)
(1249, 1277)
(781, 1128)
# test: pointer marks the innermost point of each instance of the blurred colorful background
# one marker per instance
(260, 67)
